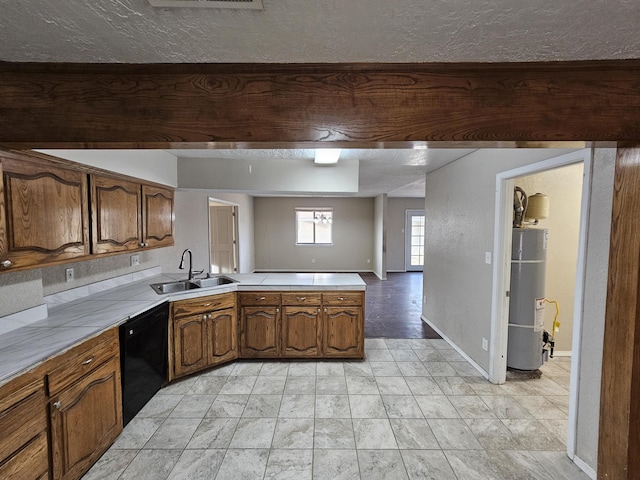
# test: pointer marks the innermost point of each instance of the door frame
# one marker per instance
(502, 274)
(236, 237)
(407, 239)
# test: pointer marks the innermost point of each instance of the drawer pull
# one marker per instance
(206, 305)
(87, 361)
(342, 298)
(56, 405)
(259, 299)
(6, 263)
(301, 299)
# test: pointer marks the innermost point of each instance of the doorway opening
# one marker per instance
(505, 183)
(414, 240)
(223, 237)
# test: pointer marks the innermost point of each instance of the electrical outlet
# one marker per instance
(68, 273)
(485, 344)
(313, 260)
(135, 260)
(487, 258)
(368, 260)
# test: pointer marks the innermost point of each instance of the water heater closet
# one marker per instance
(527, 296)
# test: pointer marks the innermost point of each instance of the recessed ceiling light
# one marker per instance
(326, 156)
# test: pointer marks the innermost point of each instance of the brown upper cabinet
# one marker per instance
(116, 215)
(44, 215)
(157, 216)
(128, 215)
(55, 211)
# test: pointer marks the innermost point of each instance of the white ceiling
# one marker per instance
(332, 31)
(290, 31)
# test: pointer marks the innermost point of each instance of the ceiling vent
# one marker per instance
(252, 4)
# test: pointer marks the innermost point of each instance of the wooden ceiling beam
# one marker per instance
(46, 105)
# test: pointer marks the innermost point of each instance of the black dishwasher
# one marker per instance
(143, 358)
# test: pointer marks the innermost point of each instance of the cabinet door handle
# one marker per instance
(325, 310)
(56, 405)
(143, 244)
(87, 361)
(6, 263)
(301, 299)
(259, 299)
(277, 310)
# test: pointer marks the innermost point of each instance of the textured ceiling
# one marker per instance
(131, 31)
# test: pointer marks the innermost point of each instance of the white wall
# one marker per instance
(380, 214)
(153, 165)
(192, 229)
(460, 212)
(275, 235)
(396, 220)
(564, 188)
(590, 343)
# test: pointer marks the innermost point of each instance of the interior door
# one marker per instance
(222, 236)
(414, 240)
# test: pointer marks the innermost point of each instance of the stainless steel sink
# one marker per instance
(184, 285)
(214, 281)
(173, 287)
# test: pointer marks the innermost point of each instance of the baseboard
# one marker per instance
(562, 353)
(456, 348)
(582, 465)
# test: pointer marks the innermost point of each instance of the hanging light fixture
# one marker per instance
(322, 217)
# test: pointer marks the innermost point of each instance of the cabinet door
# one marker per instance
(222, 336)
(116, 215)
(43, 214)
(189, 344)
(85, 420)
(260, 333)
(301, 331)
(157, 216)
(343, 332)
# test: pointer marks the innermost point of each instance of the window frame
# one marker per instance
(313, 210)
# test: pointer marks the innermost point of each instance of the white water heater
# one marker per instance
(526, 305)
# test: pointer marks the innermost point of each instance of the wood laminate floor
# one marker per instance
(393, 307)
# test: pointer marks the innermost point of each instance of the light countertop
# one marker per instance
(25, 344)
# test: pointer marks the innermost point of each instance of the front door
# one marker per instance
(414, 240)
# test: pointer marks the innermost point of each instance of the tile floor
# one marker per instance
(413, 409)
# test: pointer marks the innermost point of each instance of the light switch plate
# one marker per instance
(485, 344)
(487, 258)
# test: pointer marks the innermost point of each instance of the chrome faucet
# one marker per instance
(191, 271)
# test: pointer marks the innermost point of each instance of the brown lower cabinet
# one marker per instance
(301, 325)
(203, 333)
(85, 405)
(23, 426)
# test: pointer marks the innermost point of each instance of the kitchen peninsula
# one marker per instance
(60, 376)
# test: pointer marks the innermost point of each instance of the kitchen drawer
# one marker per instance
(302, 298)
(195, 306)
(259, 298)
(32, 461)
(342, 298)
(83, 359)
(23, 417)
